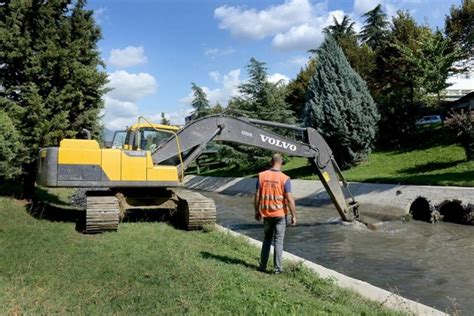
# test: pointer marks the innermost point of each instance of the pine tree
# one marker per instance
(339, 105)
(9, 148)
(262, 100)
(200, 102)
(375, 28)
(51, 76)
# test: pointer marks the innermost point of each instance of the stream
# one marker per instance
(428, 263)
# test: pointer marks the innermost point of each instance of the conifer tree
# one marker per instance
(51, 76)
(340, 106)
(262, 100)
(199, 102)
(375, 28)
(9, 148)
(360, 56)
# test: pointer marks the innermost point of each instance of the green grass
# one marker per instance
(433, 161)
(149, 268)
(439, 165)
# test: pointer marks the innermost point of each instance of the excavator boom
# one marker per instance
(194, 137)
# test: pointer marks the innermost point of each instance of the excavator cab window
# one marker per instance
(150, 138)
(119, 139)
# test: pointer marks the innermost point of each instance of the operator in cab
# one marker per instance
(272, 201)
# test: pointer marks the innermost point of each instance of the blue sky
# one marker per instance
(155, 49)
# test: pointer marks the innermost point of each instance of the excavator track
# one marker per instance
(102, 213)
(194, 210)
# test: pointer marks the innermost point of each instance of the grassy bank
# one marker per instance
(148, 268)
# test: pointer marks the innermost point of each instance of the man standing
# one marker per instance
(272, 200)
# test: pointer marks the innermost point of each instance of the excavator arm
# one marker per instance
(193, 138)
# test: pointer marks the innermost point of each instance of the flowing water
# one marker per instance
(429, 263)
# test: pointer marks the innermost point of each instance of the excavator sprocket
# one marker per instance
(102, 213)
(194, 210)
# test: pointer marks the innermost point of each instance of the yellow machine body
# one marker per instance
(83, 163)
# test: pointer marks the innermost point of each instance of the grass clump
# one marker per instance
(149, 268)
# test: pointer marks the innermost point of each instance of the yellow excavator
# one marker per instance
(144, 167)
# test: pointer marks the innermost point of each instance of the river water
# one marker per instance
(429, 263)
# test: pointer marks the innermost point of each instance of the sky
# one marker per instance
(153, 50)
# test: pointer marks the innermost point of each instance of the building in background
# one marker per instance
(462, 83)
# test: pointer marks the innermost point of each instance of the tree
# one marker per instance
(340, 107)
(164, 120)
(361, 57)
(262, 100)
(9, 148)
(297, 88)
(375, 27)
(217, 109)
(412, 66)
(459, 27)
(436, 58)
(51, 74)
(200, 102)
(343, 29)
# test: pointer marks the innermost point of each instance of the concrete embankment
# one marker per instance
(385, 298)
(386, 201)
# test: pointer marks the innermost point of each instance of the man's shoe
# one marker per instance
(260, 269)
(278, 271)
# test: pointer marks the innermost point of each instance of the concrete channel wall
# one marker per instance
(394, 199)
(385, 298)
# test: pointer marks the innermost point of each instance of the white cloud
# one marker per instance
(306, 36)
(362, 6)
(215, 75)
(175, 117)
(130, 87)
(228, 89)
(278, 77)
(127, 57)
(302, 37)
(294, 24)
(121, 107)
(259, 24)
(215, 52)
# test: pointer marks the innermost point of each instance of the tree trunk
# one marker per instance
(29, 182)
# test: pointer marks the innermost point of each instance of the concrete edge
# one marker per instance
(367, 290)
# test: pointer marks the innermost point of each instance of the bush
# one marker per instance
(462, 124)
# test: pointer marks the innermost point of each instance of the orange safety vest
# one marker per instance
(271, 186)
